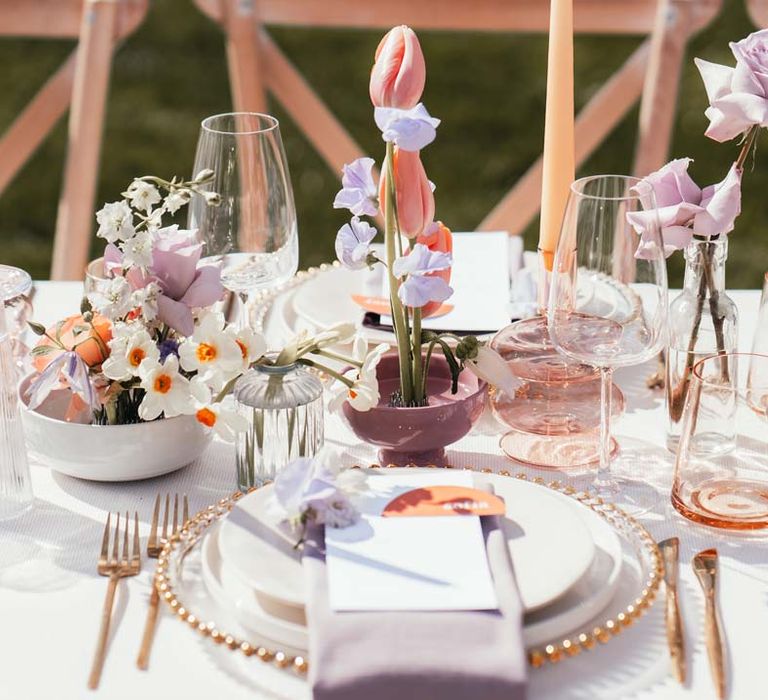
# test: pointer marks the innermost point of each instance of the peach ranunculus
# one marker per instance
(87, 346)
(399, 73)
(415, 201)
(438, 238)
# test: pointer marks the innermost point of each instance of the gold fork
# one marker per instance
(154, 547)
(705, 568)
(116, 567)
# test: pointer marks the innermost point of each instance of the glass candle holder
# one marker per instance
(15, 486)
(725, 488)
(284, 409)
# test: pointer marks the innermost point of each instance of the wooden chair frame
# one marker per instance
(82, 81)
(652, 72)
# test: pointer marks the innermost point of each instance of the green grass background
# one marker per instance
(487, 88)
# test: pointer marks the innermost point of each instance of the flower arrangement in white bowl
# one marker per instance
(149, 362)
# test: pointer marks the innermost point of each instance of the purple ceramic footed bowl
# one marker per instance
(419, 435)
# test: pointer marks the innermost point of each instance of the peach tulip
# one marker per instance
(399, 73)
(415, 201)
(87, 346)
(438, 238)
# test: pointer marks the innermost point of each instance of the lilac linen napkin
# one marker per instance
(416, 655)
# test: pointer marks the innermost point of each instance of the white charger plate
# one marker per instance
(267, 619)
(549, 542)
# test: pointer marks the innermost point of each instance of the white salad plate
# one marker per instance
(280, 618)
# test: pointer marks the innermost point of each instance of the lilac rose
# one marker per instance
(738, 97)
(683, 209)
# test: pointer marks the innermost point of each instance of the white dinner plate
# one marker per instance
(266, 620)
(550, 544)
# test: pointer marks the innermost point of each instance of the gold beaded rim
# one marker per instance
(586, 640)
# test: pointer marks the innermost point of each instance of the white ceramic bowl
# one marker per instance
(111, 452)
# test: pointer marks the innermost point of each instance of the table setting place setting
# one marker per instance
(438, 466)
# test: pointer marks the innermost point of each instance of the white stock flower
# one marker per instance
(114, 301)
(175, 200)
(137, 251)
(142, 195)
(128, 350)
(220, 417)
(146, 300)
(211, 352)
(167, 391)
(115, 221)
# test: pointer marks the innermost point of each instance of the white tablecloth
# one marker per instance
(51, 596)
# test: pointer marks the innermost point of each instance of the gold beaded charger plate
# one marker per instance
(550, 537)
(180, 582)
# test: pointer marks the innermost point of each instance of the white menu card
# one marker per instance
(408, 563)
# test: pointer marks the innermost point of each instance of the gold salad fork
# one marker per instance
(116, 567)
(154, 547)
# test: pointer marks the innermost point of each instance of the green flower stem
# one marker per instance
(416, 351)
(327, 370)
(335, 356)
(398, 312)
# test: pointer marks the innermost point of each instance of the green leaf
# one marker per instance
(41, 350)
(79, 329)
(37, 328)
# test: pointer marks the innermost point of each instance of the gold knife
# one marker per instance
(675, 639)
(705, 567)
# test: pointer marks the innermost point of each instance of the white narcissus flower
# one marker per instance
(127, 351)
(338, 333)
(137, 252)
(211, 352)
(252, 345)
(167, 391)
(363, 395)
(142, 195)
(115, 222)
(114, 301)
(489, 366)
(220, 417)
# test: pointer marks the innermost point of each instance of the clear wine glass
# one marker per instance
(608, 303)
(252, 233)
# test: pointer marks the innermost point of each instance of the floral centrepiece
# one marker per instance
(418, 249)
(149, 343)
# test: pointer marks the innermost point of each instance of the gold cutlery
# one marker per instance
(154, 547)
(116, 567)
(675, 639)
(705, 567)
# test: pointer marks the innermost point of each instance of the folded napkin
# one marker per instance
(416, 655)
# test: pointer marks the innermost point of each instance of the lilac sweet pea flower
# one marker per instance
(70, 368)
(420, 287)
(683, 209)
(409, 129)
(738, 97)
(359, 192)
(353, 243)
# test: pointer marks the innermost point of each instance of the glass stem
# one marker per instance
(604, 478)
(243, 315)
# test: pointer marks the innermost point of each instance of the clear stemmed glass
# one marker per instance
(595, 315)
(252, 232)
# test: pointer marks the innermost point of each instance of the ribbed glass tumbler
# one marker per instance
(284, 409)
(15, 485)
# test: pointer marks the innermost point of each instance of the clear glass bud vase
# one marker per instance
(284, 410)
(702, 322)
(15, 486)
